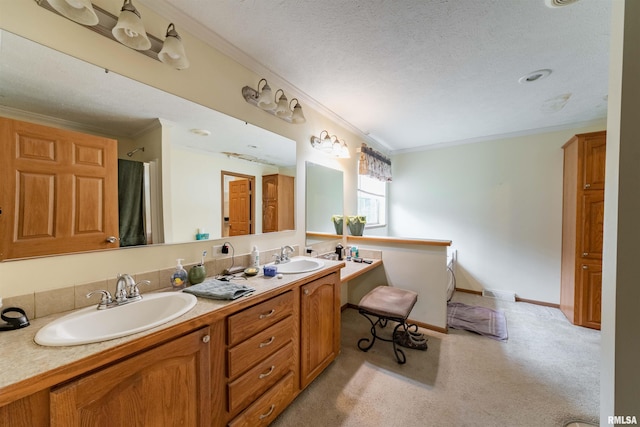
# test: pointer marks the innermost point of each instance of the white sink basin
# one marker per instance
(91, 325)
(300, 265)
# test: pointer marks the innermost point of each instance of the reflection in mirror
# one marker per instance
(238, 203)
(324, 197)
(186, 145)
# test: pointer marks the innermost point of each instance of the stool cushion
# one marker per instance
(387, 301)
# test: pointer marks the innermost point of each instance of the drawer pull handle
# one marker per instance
(269, 372)
(206, 339)
(263, 416)
(585, 267)
(269, 314)
(585, 253)
(267, 342)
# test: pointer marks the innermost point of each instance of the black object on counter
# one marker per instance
(340, 251)
(15, 317)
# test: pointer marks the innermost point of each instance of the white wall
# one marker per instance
(199, 206)
(620, 376)
(500, 202)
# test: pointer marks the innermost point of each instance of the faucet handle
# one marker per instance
(106, 299)
(134, 291)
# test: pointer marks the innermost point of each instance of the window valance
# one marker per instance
(374, 164)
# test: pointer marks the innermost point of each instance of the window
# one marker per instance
(372, 200)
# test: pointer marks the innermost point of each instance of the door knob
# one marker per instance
(111, 239)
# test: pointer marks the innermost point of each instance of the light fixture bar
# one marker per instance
(106, 22)
(251, 95)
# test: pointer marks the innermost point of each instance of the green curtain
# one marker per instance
(131, 202)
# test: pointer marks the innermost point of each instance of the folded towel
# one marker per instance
(218, 289)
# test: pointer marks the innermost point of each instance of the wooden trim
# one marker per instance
(518, 299)
(398, 240)
(469, 291)
(543, 303)
(325, 235)
(383, 239)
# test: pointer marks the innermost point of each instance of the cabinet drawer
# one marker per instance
(257, 348)
(268, 407)
(254, 319)
(251, 385)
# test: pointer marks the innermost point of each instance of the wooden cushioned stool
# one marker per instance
(388, 303)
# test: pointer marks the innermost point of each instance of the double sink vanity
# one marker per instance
(221, 362)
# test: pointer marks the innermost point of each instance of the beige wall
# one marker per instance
(213, 80)
(500, 202)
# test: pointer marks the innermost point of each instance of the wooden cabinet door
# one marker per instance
(59, 190)
(593, 159)
(277, 203)
(591, 235)
(165, 386)
(591, 295)
(320, 326)
(30, 411)
(269, 203)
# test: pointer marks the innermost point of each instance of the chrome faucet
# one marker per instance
(126, 291)
(284, 253)
(124, 285)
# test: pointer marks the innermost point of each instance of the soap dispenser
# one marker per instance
(255, 257)
(179, 277)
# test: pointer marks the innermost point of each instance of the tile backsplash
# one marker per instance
(40, 304)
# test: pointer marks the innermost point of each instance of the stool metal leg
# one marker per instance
(382, 321)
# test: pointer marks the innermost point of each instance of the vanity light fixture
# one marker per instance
(277, 106)
(126, 29)
(80, 11)
(330, 144)
(172, 52)
(130, 30)
(282, 109)
(296, 115)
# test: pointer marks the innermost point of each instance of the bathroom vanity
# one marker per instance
(237, 363)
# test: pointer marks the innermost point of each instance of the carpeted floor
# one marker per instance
(546, 374)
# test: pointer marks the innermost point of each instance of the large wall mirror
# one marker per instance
(186, 148)
(324, 198)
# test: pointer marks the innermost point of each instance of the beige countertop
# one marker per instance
(355, 269)
(24, 360)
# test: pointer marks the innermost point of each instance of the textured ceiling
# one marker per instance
(414, 73)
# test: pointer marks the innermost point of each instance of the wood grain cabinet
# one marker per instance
(582, 228)
(319, 326)
(165, 386)
(260, 358)
(277, 203)
(59, 190)
(241, 368)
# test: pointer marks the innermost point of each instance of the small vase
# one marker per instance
(197, 274)
(356, 228)
(337, 223)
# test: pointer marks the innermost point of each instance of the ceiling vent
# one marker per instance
(559, 3)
